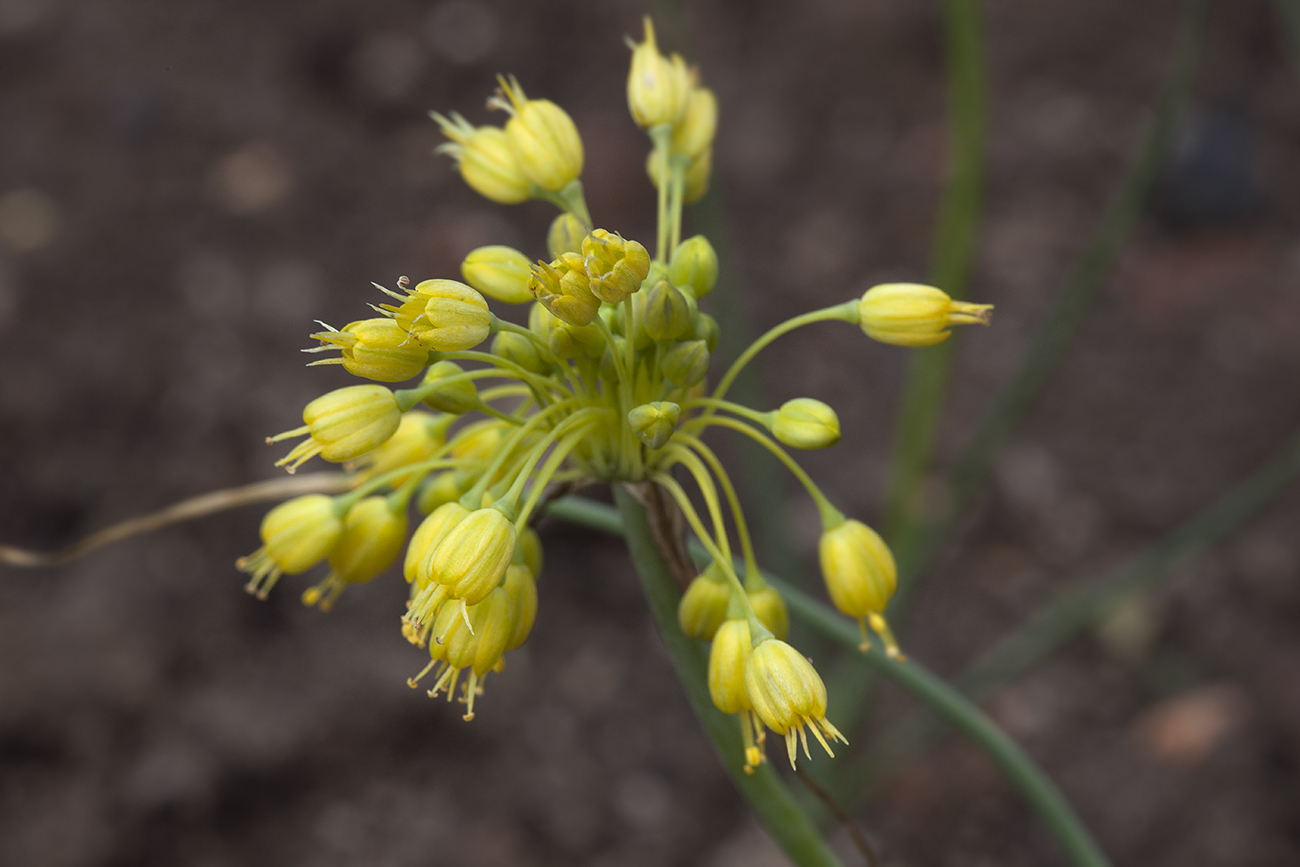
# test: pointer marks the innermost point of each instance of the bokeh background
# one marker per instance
(184, 187)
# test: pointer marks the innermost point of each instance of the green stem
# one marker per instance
(1290, 12)
(847, 312)
(830, 515)
(662, 135)
(954, 251)
(767, 796)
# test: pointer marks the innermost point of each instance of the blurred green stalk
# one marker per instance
(954, 251)
(1290, 12)
(918, 542)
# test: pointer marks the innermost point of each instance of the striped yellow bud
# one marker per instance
(375, 349)
(703, 607)
(804, 423)
(860, 576)
(343, 424)
(909, 314)
(787, 694)
(453, 394)
(296, 535)
(498, 272)
(657, 88)
(727, 665)
(542, 137)
(485, 159)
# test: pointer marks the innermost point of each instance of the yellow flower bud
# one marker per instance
(565, 235)
(654, 422)
(455, 397)
(418, 436)
(909, 314)
(787, 694)
(694, 134)
(498, 272)
(686, 363)
(372, 537)
(375, 349)
(542, 137)
(771, 611)
(480, 647)
(445, 315)
(343, 424)
(860, 576)
(668, 312)
(485, 159)
(804, 423)
(564, 288)
(657, 88)
(465, 566)
(455, 316)
(473, 557)
(703, 607)
(296, 535)
(427, 537)
(727, 665)
(522, 587)
(477, 646)
(694, 265)
(615, 266)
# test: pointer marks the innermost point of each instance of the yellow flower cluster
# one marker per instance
(606, 382)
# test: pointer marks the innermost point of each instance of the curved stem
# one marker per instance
(829, 514)
(757, 631)
(685, 456)
(714, 403)
(752, 573)
(846, 312)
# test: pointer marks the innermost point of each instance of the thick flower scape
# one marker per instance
(607, 382)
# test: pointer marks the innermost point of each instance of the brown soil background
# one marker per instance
(222, 173)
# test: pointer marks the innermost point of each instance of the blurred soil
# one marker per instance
(184, 187)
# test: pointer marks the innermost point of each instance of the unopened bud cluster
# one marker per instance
(604, 377)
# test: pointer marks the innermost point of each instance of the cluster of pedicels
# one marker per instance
(606, 383)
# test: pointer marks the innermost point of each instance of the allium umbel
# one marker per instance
(608, 381)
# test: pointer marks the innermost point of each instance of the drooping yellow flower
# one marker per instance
(342, 425)
(372, 537)
(296, 535)
(788, 695)
(542, 137)
(485, 159)
(860, 577)
(375, 349)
